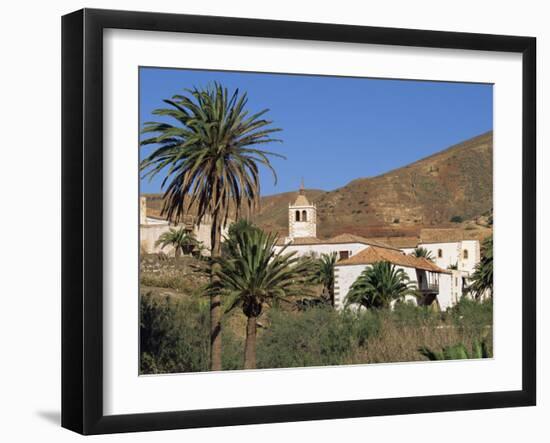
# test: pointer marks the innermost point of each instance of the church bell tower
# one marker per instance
(302, 217)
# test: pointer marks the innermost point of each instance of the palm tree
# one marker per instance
(252, 275)
(482, 278)
(236, 229)
(379, 285)
(181, 240)
(211, 162)
(421, 252)
(324, 274)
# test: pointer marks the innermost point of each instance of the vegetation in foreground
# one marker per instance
(175, 334)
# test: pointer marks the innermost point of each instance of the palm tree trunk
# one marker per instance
(215, 302)
(177, 253)
(250, 344)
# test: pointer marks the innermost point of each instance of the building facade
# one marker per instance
(151, 228)
(442, 280)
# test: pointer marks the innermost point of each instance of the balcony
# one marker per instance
(429, 288)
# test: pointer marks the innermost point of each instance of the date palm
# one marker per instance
(236, 229)
(482, 278)
(181, 240)
(379, 285)
(252, 275)
(210, 160)
(324, 274)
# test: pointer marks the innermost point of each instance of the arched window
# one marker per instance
(304, 215)
(440, 253)
(297, 215)
(465, 254)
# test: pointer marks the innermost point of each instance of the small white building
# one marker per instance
(433, 283)
(151, 228)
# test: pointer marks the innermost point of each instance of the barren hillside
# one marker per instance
(455, 182)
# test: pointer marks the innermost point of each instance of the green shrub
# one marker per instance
(318, 336)
(473, 315)
(173, 335)
(458, 352)
(409, 315)
(457, 219)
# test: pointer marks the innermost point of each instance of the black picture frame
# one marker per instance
(82, 218)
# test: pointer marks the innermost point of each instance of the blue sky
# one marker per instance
(337, 129)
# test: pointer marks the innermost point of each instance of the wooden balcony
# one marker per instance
(430, 288)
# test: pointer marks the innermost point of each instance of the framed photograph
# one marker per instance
(269, 221)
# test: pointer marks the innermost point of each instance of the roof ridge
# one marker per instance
(373, 254)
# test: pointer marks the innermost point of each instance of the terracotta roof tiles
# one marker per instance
(375, 254)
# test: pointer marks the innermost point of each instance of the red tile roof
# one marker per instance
(375, 254)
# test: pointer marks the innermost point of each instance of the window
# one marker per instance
(304, 215)
(465, 254)
(344, 255)
(440, 253)
(297, 215)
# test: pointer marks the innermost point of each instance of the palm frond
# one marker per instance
(208, 153)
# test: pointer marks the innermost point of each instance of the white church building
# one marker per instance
(435, 280)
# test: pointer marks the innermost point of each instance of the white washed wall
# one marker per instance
(343, 279)
(150, 233)
(450, 253)
(453, 253)
(473, 248)
(445, 296)
(345, 275)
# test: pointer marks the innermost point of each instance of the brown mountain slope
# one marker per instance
(429, 192)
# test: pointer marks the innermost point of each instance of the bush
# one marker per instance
(409, 315)
(173, 335)
(408, 328)
(473, 315)
(457, 219)
(458, 352)
(318, 336)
